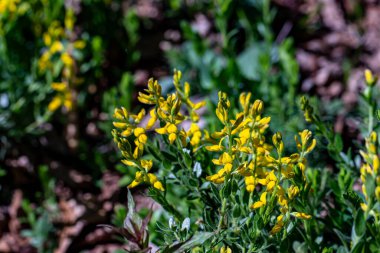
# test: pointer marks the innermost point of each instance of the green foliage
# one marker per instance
(39, 219)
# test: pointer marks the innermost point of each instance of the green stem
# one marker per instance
(222, 213)
(370, 111)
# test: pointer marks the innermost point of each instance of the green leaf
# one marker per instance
(169, 157)
(125, 180)
(248, 62)
(359, 224)
(343, 238)
(300, 247)
(338, 143)
(226, 190)
(353, 198)
(358, 247)
(370, 185)
(195, 240)
(236, 212)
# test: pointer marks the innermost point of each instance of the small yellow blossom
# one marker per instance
(225, 249)
(269, 181)
(369, 78)
(261, 202)
(305, 145)
(293, 191)
(278, 226)
(303, 216)
(250, 183)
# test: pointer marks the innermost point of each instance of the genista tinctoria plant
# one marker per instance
(359, 211)
(60, 48)
(230, 190)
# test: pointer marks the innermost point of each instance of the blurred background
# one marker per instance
(66, 64)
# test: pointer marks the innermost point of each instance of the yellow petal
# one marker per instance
(171, 129)
(226, 158)
(270, 185)
(199, 105)
(263, 197)
(172, 137)
(54, 104)
(146, 164)
(312, 146)
(246, 133)
(120, 125)
(133, 184)
(161, 130)
(152, 120)
(257, 204)
(214, 148)
(158, 186)
(228, 167)
(375, 164)
(143, 138)
(127, 132)
(302, 215)
(58, 86)
(129, 163)
(79, 44)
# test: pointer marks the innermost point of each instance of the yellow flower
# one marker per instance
(169, 129)
(261, 202)
(140, 135)
(226, 160)
(279, 224)
(62, 98)
(369, 78)
(250, 183)
(56, 47)
(146, 164)
(195, 135)
(223, 159)
(150, 178)
(138, 117)
(269, 181)
(244, 99)
(364, 206)
(139, 178)
(377, 193)
(225, 249)
(303, 216)
(257, 108)
(304, 146)
(282, 201)
(154, 182)
(222, 108)
(152, 120)
(8, 5)
(375, 163)
(67, 59)
(59, 86)
(278, 143)
(293, 191)
(129, 163)
(79, 44)
(55, 104)
(152, 94)
(120, 113)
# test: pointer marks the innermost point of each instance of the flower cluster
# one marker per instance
(126, 126)
(169, 112)
(60, 45)
(63, 97)
(245, 152)
(369, 174)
